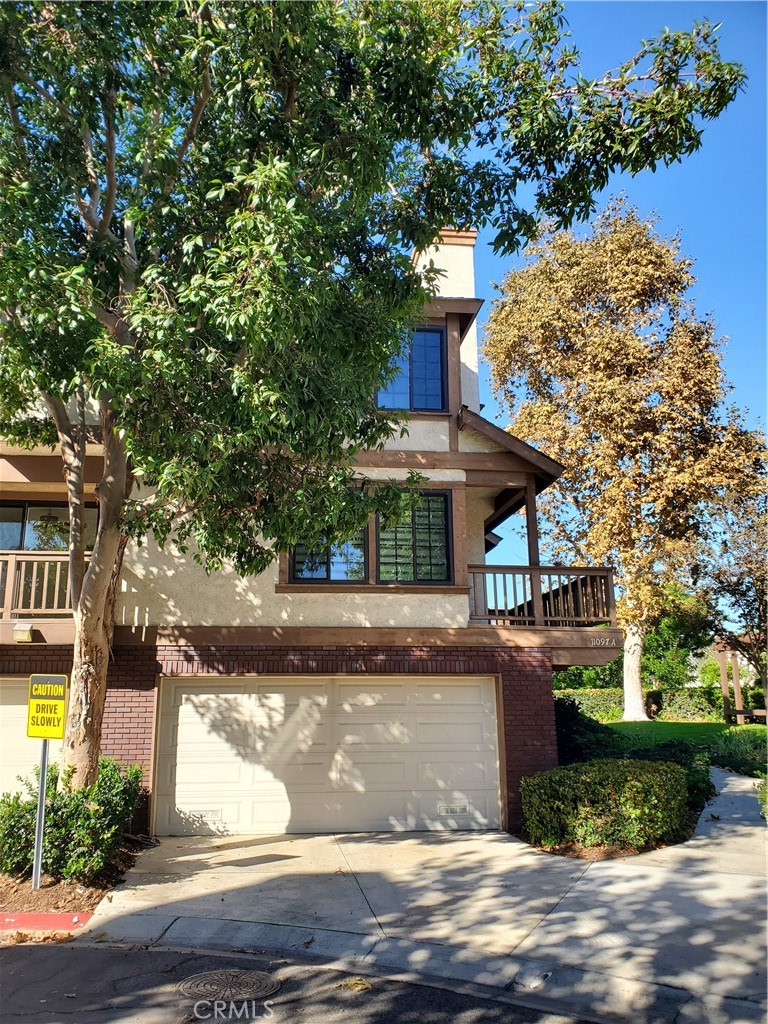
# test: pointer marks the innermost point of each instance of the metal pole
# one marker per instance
(37, 862)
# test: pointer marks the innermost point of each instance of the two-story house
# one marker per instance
(396, 682)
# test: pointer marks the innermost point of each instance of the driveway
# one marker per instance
(631, 938)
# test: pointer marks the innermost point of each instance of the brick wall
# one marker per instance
(526, 706)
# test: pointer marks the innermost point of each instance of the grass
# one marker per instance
(648, 734)
(702, 734)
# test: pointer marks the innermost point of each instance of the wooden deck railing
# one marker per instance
(34, 584)
(527, 595)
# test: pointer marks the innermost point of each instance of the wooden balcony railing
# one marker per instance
(527, 595)
(34, 584)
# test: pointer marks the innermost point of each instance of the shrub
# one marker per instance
(742, 749)
(691, 705)
(579, 737)
(762, 796)
(693, 761)
(83, 828)
(629, 804)
(604, 705)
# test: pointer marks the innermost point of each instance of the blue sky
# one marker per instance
(716, 198)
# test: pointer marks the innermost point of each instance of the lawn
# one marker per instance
(648, 734)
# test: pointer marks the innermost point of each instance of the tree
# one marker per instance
(734, 570)
(208, 215)
(600, 356)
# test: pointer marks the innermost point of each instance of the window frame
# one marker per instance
(25, 506)
(440, 330)
(447, 496)
(328, 582)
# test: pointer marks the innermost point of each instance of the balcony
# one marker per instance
(525, 595)
(34, 584)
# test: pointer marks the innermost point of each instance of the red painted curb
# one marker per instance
(43, 922)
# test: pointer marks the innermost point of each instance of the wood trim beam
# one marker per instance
(373, 636)
(531, 524)
(541, 463)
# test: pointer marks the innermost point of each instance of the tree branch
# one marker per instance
(110, 164)
(201, 101)
(47, 96)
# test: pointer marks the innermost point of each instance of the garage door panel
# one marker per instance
(335, 755)
(351, 695)
(19, 755)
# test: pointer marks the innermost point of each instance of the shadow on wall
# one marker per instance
(162, 587)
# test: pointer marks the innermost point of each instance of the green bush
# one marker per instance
(629, 804)
(579, 737)
(691, 705)
(742, 749)
(604, 705)
(693, 761)
(83, 828)
(762, 796)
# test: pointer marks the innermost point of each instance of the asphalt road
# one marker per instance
(63, 984)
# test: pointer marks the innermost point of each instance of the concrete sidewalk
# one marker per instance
(628, 939)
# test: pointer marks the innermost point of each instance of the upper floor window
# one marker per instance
(417, 550)
(420, 381)
(34, 526)
(339, 563)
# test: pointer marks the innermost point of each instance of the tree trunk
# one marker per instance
(93, 610)
(634, 704)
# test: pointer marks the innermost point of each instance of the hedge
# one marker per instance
(607, 705)
(628, 804)
(742, 749)
(693, 761)
(83, 828)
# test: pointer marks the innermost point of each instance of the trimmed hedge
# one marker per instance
(83, 828)
(629, 804)
(607, 705)
(693, 761)
(690, 705)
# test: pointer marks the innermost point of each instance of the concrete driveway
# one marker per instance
(627, 939)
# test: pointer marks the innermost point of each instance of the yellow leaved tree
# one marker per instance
(596, 349)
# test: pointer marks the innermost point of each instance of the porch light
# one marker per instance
(22, 633)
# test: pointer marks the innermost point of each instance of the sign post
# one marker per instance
(46, 715)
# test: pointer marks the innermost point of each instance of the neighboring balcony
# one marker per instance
(526, 595)
(34, 584)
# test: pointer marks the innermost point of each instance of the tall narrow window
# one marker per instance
(340, 562)
(417, 550)
(420, 381)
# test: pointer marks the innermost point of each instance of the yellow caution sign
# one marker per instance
(47, 707)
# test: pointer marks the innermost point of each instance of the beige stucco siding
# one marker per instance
(479, 507)
(422, 436)
(166, 588)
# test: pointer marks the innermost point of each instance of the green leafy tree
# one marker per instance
(734, 570)
(600, 356)
(208, 215)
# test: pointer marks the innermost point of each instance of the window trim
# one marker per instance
(449, 582)
(441, 330)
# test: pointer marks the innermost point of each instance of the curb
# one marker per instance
(44, 922)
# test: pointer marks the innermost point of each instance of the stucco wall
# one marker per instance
(166, 588)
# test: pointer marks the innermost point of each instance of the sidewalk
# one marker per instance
(673, 935)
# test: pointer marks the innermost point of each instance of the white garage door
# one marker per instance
(271, 755)
(19, 755)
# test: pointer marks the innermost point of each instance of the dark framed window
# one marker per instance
(421, 372)
(41, 526)
(340, 563)
(417, 550)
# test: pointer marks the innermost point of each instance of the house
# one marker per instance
(396, 682)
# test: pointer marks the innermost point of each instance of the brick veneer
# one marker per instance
(526, 708)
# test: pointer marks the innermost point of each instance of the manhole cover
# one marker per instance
(229, 985)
